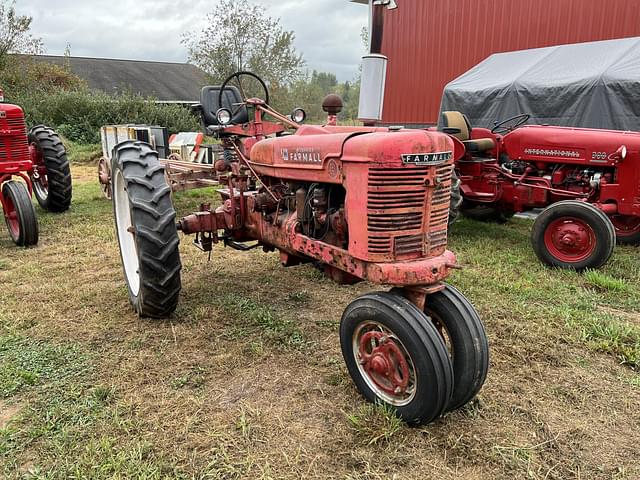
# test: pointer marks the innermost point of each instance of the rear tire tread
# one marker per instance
(153, 217)
(58, 170)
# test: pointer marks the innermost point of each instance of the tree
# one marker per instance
(240, 36)
(15, 36)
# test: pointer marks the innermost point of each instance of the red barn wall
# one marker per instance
(431, 42)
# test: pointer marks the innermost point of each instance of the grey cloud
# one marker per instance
(327, 31)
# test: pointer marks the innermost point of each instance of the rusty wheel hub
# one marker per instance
(385, 364)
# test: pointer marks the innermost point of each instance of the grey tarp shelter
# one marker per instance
(594, 85)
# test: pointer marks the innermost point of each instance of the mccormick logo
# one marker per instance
(3, 114)
(301, 155)
(426, 158)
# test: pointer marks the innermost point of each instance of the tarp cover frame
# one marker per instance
(593, 85)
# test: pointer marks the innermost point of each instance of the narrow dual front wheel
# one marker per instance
(573, 235)
(146, 229)
(398, 355)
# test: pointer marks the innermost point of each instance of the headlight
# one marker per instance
(223, 116)
(299, 115)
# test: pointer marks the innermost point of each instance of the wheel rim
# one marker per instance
(570, 239)
(39, 177)
(442, 331)
(11, 217)
(626, 225)
(126, 236)
(104, 177)
(384, 363)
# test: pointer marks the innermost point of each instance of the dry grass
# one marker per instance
(247, 379)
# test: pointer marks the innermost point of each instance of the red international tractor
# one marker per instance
(39, 159)
(587, 180)
(362, 204)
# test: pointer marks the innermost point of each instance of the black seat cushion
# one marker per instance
(210, 106)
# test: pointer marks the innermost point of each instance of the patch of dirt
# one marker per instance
(8, 412)
(631, 317)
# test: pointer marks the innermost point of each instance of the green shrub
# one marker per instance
(79, 114)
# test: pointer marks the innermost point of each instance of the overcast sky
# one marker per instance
(327, 31)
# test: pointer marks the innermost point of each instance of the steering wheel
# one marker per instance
(238, 82)
(510, 124)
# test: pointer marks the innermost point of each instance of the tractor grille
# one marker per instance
(14, 147)
(400, 205)
(439, 210)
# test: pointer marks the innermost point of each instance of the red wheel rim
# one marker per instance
(384, 363)
(626, 225)
(11, 216)
(570, 239)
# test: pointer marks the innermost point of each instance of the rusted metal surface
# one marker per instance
(365, 203)
(386, 363)
(104, 176)
(429, 42)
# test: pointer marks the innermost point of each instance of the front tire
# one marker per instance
(146, 229)
(395, 356)
(573, 235)
(52, 178)
(460, 326)
(19, 214)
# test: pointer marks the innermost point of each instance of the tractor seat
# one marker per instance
(459, 124)
(209, 105)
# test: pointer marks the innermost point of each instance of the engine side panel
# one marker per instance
(584, 146)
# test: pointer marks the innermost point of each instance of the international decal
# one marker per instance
(3, 114)
(542, 152)
(301, 155)
(435, 158)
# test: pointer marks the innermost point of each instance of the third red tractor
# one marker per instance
(30, 162)
(587, 180)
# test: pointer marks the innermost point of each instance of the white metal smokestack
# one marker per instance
(374, 65)
(374, 75)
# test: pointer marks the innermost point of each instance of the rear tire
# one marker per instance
(487, 213)
(395, 356)
(627, 229)
(456, 199)
(459, 324)
(146, 229)
(53, 188)
(573, 235)
(19, 214)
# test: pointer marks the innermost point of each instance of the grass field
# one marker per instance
(247, 379)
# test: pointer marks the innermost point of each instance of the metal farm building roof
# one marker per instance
(165, 81)
(431, 42)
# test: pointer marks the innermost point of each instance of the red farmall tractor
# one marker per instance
(39, 159)
(587, 180)
(363, 204)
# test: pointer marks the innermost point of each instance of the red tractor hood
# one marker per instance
(316, 153)
(569, 145)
